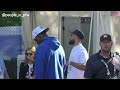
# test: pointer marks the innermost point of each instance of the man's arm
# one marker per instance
(39, 63)
(89, 70)
(83, 56)
(77, 65)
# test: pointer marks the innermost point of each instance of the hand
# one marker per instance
(30, 58)
(32, 77)
(29, 77)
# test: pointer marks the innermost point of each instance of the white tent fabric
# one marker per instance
(28, 23)
(101, 24)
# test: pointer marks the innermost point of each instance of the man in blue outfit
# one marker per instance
(50, 59)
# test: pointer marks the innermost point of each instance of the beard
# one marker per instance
(71, 42)
(106, 49)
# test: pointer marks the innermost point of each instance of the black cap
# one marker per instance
(105, 37)
(79, 33)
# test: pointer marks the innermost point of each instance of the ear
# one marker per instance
(41, 36)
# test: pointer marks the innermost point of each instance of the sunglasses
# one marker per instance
(28, 54)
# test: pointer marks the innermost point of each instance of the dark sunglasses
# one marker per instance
(28, 54)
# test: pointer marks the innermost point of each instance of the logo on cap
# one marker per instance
(105, 36)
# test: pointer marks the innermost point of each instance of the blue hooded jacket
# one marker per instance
(50, 62)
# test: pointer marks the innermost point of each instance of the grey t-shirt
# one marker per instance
(2, 68)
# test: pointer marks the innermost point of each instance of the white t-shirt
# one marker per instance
(79, 55)
(30, 68)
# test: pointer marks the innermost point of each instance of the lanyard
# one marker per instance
(108, 71)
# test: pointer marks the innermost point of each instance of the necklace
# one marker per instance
(104, 56)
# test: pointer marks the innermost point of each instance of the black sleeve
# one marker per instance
(89, 70)
(22, 72)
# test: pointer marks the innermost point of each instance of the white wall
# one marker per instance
(102, 24)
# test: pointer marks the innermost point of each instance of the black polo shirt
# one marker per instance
(96, 69)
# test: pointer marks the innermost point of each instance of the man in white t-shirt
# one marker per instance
(3, 70)
(78, 56)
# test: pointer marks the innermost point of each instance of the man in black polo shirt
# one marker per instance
(99, 65)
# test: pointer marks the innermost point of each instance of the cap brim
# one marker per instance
(46, 29)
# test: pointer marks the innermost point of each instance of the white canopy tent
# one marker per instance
(102, 22)
(28, 23)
